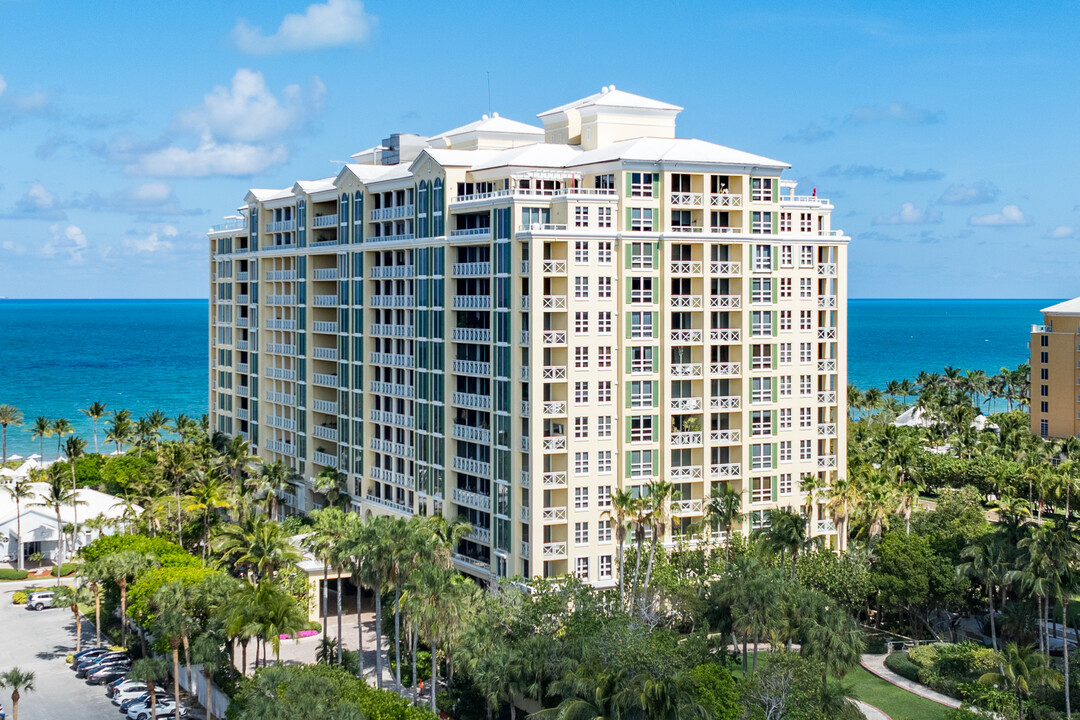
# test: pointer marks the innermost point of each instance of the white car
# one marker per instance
(163, 707)
(133, 689)
(40, 600)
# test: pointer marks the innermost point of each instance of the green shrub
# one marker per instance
(69, 658)
(19, 597)
(900, 664)
(65, 569)
(963, 713)
(924, 655)
(714, 688)
(12, 574)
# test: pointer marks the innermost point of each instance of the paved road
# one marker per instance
(39, 641)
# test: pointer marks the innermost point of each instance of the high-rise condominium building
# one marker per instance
(509, 324)
(1055, 380)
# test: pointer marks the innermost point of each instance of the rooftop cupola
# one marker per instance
(609, 116)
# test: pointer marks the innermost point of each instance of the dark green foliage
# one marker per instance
(12, 574)
(842, 577)
(121, 473)
(65, 569)
(169, 553)
(900, 664)
(714, 688)
(912, 579)
(985, 472)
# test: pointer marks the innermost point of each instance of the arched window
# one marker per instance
(422, 209)
(437, 207)
(343, 218)
(358, 216)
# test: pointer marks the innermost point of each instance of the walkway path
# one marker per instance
(870, 712)
(876, 665)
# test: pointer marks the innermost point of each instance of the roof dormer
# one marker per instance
(609, 116)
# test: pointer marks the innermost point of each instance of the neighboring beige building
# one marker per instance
(508, 323)
(1055, 384)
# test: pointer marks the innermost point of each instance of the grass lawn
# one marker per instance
(897, 703)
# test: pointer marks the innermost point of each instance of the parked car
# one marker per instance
(87, 668)
(162, 707)
(122, 694)
(142, 700)
(108, 674)
(91, 652)
(40, 600)
(79, 663)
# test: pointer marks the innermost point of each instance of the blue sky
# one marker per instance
(946, 136)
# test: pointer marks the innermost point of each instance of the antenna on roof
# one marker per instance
(489, 91)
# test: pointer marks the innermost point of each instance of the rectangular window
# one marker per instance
(761, 189)
(762, 258)
(785, 451)
(581, 216)
(641, 219)
(1044, 390)
(605, 567)
(761, 490)
(641, 463)
(603, 288)
(760, 390)
(761, 223)
(581, 322)
(805, 417)
(761, 422)
(806, 256)
(581, 428)
(784, 486)
(761, 357)
(1044, 357)
(641, 394)
(641, 256)
(581, 463)
(641, 428)
(806, 288)
(603, 217)
(761, 290)
(581, 358)
(761, 323)
(603, 356)
(785, 321)
(806, 222)
(1044, 425)
(785, 352)
(785, 224)
(785, 386)
(785, 288)
(806, 385)
(581, 288)
(641, 290)
(787, 254)
(641, 325)
(1044, 373)
(603, 495)
(581, 393)
(641, 184)
(603, 426)
(603, 463)
(1044, 341)
(806, 320)
(1044, 407)
(603, 532)
(603, 391)
(581, 568)
(581, 252)
(806, 450)
(806, 353)
(641, 360)
(785, 418)
(603, 323)
(581, 498)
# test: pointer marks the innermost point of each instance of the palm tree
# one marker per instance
(121, 568)
(187, 428)
(276, 613)
(331, 483)
(95, 412)
(206, 651)
(173, 621)
(176, 465)
(74, 448)
(207, 495)
(150, 670)
(786, 532)
(93, 574)
(986, 564)
(320, 542)
(661, 495)
(19, 489)
(622, 507)
(40, 429)
(260, 547)
(834, 640)
(854, 400)
(158, 423)
(843, 495)
(441, 586)
(591, 695)
(1023, 668)
(273, 479)
(56, 495)
(72, 596)
(60, 428)
(9, 415)
(724, 510)
(19, 681)
(121, 429)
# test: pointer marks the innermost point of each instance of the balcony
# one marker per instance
(471, 433)
(554, 337)
(242, 390)
(554, 372)
(826, 269)
(280, 373)
(724, 470)
(554, 550)
(525, 514)
(686, 199)
(479, 535)
(474, 233)
(327, 274)
(690, 302)
(326, 459)
(392, 418)
(391, 300)
(281, 348)
(275, 324)
(241, 367)
(683, 267)
(389, 330)
(324, 353)
(524, 479)
(826, 430)
(725, 302)
(525, 302)
(554, 267)
(325, 380)
(826, 333)
(281, 423)
(394, 448)
(682, 473)
(241, 322)
(471, 499)
(280, 446)
(390, 505)
(685, 370)
(280, 398)
(386, 388)
(471, 562)
(554, 408)
(472, 367)
(400, 237)
(242, 413)
(728, 369)
(402, 361)
(394, 212)
(472, 302)
(324, 221)
(526, 443)
(725, 402)
(241, 344)
(684, 439)
(524, 337)
(727, 336)
(280, 299)
(472, 400)
(475, 335)
(724, 200)
(687, 404)
(553, 444)
(281, 226)
(826, 462)
(685, 336)
(725, 437)
(325, 300)
(554, 479)
(554, 515)
(392, 271)
(826, 301)
(686, 507)
(471, 269)
(323, 326)
(242, 299)
(826, 526)
(242, 276)
(280, 275)
(826, 398)
(554, 302)
(826, 366)
(472, 466)
(325, 406)
(325, 433)
(725, 268)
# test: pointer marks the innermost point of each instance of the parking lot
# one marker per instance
(39, 641)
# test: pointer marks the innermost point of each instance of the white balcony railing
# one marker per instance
(728, 369)
(325, 379)
(686, 336)
(472, 367)
(725, 402)
(325, 300)
(554, 443)
(725, 437)
(324, 353)
(471, 466)
(686, 507)
(471, 499)
(325, 459)
(325, 433)
(729, 336)
(554, 337)
(471, 232)
(476, 335)
(554, 302)
(725, 302)
(554, 550)
(826, 398)
(554, 515)
(684, 267)
(327, 274)
(394, 212)
(472, 302)
(725, 470)
(690, 302)
(471, 433)
(324, 221)
(471, 269)
(554, 479)
(392, 271)
(683, 370)
(554, 408)
(826, 429)
(281, 226)
(324, 326)
(826, 366)
(554, 372)
(325, 406)
(686, 199)
(554, 267)
(826, 269)
(725, 200)
(685, 439)
(687, 404)
(472, 400)
(826, 462)
(725, 268)
(684, 472)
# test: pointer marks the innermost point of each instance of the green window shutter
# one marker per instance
(629, 184)
(628, 431)
(655, 393)
(656, 184)
(626, 228)
(655, 359)
(775, 359)
(774, 321)
(656, 324)
(775, 229)
(656, 251)
(772, 415)
(775, 484)
(629, 325)
(629, 393)
(775, 184)
(656, 427)
(629, 357)
(773, 284)
(626, 254)
(628, 292)
(774, 450)
(774, 392)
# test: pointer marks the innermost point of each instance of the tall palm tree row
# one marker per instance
(9, 415)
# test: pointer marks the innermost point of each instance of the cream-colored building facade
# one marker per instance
(509, 323)
(1055, 380)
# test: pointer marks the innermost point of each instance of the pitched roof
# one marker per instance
(675, 150)
(266, 195)
(1069, 307)
(535, 155)
(492, 124)
(315, 186)
(610, 97)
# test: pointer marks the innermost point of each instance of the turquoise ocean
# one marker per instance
(57, 356)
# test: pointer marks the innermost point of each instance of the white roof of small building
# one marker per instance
(92, 504)
(266, 195)
(610, 97)
(1069, 307)
(537, 155)
(489, 124)
(675, 150)
(314, 186)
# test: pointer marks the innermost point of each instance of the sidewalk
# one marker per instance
(869, 711)
(876, 665)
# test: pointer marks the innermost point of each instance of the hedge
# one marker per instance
(65, 569)
(900, 664)
(169, 553)
(12, 574)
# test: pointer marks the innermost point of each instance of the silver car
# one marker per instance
(40, 600)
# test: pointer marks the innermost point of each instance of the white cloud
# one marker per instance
(149, 244)
(909, 215)
(207, 159)
(248, 112)
(1010, 215)
(3, 85)
(37, 203)
(974, 194)
(333, 24)
(1061, 232)
(169, 231)
(69, 243)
